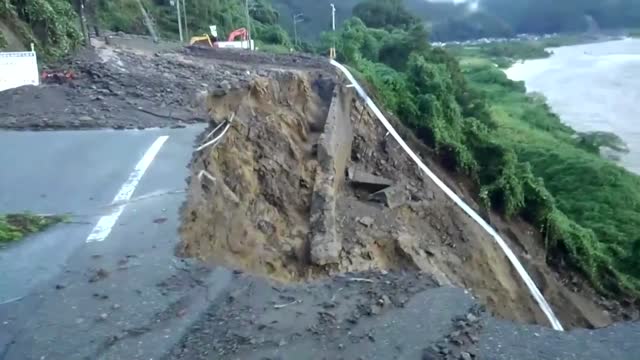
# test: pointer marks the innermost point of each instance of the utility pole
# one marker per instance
(296, 19)
(83, 25)
(184, 13)
(246, 6)
(177, 3)
(147, 22)
(332, 52)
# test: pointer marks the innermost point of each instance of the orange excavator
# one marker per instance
(212, 40)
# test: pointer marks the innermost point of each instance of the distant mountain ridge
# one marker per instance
(492, 18)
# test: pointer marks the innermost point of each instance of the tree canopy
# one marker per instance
(523, 160)
(449, 21)
(384, 13)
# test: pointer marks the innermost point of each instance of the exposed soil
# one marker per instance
(122, 88)
(256, 214)
(253, 207)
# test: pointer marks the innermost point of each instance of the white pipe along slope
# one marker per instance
(533, 289)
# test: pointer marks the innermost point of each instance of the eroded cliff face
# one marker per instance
(307, 184)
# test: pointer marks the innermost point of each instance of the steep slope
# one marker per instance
(50, 25)
(287, 193)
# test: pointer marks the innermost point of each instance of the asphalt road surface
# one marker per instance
(107, 284)
(123, 297)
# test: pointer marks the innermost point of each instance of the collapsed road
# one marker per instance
(297, 237)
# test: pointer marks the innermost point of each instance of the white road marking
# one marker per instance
(106, 223)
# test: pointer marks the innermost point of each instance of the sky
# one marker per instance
(473, 4)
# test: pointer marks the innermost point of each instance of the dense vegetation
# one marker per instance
(54, 27)
(524, 161)
(550, 16)
(228, 15)
(503, 54)
(449, 21)
(14, 227)
(51, 25)
(597, 203)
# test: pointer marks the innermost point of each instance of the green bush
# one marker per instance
(525, 161)
(3, 42)
(14, 227)
(51, 25)
(595, 216)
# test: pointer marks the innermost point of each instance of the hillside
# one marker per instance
(52, 26)
(523, 162)
(489, 18)
(228, 15)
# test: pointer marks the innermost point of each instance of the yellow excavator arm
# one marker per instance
(201, 40)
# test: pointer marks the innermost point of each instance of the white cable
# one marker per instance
(216, 138)
(213, 131)
(533, 289)
(218, 127)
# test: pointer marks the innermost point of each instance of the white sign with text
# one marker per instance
(18, 69)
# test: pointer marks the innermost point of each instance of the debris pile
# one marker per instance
(306, 185)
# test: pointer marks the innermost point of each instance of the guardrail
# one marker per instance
(533, 289)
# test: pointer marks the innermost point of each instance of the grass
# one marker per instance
(502, 54)
(3, 41)
(272, 48)
(524, 161)
(14, 227)
(595, 219)
(505, 54)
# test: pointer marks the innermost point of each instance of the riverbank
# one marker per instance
(518, 158)
(507, 53)
(592, 88)
(595, 201)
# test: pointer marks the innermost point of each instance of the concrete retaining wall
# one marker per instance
(334, 151)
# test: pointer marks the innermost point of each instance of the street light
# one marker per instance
(332, 51)
(296, 19)
(184, 13)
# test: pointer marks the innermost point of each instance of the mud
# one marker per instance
(259, 213)
(132, 83)
(335, 318)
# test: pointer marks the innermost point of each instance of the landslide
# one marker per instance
(274, 198)
(132, 83)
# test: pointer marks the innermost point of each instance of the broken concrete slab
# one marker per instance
(333, 153)
(325, 245)
(368, 181)
(392, 197)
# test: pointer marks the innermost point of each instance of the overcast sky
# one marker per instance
(473, 3)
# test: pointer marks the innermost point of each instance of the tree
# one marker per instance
(384, 14)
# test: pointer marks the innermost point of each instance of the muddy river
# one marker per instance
(592, 87)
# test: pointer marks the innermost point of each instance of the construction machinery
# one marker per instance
(232, 41)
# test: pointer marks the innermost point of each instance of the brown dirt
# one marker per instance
(132, 83)
(255, 216)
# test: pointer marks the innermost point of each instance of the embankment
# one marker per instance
(306, 184)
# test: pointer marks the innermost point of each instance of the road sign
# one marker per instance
(18, 69)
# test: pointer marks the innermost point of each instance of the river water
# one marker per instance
(592, 87)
